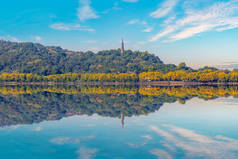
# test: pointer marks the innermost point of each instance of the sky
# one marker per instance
(198, 32)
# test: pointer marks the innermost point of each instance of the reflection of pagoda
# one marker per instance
(122, 48)
(122, 119)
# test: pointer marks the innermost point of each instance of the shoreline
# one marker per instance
(152, 83)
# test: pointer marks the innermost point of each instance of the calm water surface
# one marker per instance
(119, 123)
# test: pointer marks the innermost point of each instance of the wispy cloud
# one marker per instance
(166, 7)
(131, 1)
(10, 38)
(37, 38)
(225, 65)
(191, 31)
(218, 17)
(114, 7)
(194, 145)
(170, 20)
(165, 32)
(148, 29)
(85, 11)
(137, 21)
(70, 27)
(133, 21)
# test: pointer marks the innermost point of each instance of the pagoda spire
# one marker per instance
(122, 47)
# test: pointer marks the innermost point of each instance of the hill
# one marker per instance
(27, 57)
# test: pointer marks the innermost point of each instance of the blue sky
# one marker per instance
(198, 32)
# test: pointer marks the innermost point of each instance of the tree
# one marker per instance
(182, 65)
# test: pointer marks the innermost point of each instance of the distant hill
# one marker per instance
(27, 57)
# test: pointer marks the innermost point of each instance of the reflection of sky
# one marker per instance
(198, 129)
(193, 144)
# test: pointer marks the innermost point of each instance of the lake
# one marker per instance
(96, 122)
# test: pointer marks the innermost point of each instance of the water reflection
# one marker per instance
(194, 145)
(34, 104)
(159, 122)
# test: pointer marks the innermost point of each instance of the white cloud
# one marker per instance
(170, 20)
(166, 7)
(86, 153)
(137, 21)
(167, 31)
(189, 32)
(218, 17)
(131, 1)
(229, 24)
(37, 38)
(85, 11)
(194, 145)
(69, 27)
(148, 29)
(133, 21)
(143, 23)
(60, 26)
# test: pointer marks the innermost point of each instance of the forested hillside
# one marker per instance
(34, 58)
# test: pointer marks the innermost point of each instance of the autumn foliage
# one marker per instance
(207, 92)
(207, 75)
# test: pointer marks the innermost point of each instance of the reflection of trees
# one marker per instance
(26, 105)
(34, 108)
(206, 92)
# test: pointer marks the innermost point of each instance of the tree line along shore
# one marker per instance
(179, 76)
(206, 92)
